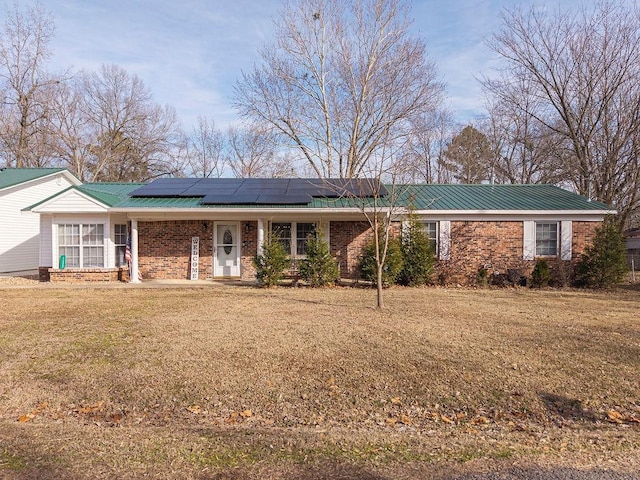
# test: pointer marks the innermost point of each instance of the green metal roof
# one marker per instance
(111, 194)
(494, 197)
(434, 197)
(15, 176)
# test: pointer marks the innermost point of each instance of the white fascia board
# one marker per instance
(40, 208)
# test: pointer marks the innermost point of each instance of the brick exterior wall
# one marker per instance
(88, 275)
(165, 251)
(498, 246)
(249, 238)
(346, 242)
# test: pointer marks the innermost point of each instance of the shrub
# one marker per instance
(270, 266)
(603, 265)
(417, 255)
(392, 266)
(541, 275)
(319, 268)
(482, 277)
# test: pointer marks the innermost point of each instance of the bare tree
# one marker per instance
(524, 150)
(583, 68)
(205, 149)
(253, 152)
(343, 81)
(423, 153)
(133, 138)
(26, 88)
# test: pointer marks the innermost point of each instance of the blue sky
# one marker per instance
(190, 52)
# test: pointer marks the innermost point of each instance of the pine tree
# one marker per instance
(319, 268)
(417, 254)
(604, 264)
(272, 263)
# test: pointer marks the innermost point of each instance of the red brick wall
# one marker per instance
(496, 246)
(249, 238)
(346, 241)
(87, 275)
(164, 249)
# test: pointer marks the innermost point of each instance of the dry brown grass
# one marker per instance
(238, 382)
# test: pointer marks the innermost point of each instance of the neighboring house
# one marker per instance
(632, 242)
(19, 230)
(213, 228)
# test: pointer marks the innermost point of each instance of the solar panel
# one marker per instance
(281, 191)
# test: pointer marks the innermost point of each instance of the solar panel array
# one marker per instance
(259, 191)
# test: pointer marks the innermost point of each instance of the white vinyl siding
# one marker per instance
(20, 230)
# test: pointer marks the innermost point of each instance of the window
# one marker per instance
(298, 231)
(82, 244)
(546, 239)
(431, 229)
(120, 241)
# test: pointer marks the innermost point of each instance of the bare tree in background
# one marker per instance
(26, 88)
(423, 153)
(205, 149)
(524, 149)
(584, 70)
(343, 81)
(133, 138)
(253, 152)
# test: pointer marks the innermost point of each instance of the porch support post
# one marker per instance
(134, 252)
(260, 236)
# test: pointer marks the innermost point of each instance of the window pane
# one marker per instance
(431, 229)
(72, 254)
(282, 232)
(93, 256)
(93, 234)
(304, 231)
(546, 239)
(120, 234)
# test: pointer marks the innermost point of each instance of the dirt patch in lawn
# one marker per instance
(239, 382)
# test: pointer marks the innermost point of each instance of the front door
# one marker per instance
(226, 250)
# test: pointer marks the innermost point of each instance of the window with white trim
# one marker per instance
(82, 244)
(431, 229)
(294, 236)
(546, 239)
(120, 242)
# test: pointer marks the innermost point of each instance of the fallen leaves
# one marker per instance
(33, 414)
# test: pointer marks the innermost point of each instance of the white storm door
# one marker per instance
(226, 250)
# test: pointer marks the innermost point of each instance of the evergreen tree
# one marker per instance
(272, 263)
(417, 254)
(392, 267)
(319, 268)
(604, 264)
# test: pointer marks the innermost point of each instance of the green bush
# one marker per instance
(603, 265)
(541, 275)
(270, 266)
(392, 266)
(417, 255)
(319, 268)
